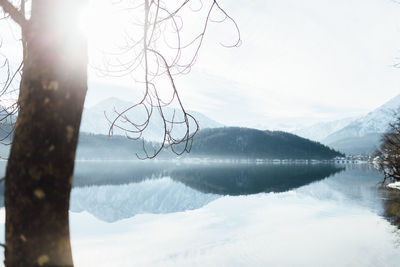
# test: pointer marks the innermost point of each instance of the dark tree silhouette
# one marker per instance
(389, 152)
(51, 95)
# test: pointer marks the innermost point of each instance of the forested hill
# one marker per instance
(251, 143)
(229, 142)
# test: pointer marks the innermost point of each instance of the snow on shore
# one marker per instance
(395, 185)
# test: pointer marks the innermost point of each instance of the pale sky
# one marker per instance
(301, 61)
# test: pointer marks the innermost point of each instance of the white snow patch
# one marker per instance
(395, 185)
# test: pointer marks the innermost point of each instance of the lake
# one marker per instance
(156, 213)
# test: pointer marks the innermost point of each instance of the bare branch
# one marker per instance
(14, 13)
(164, 48)
(389, 152)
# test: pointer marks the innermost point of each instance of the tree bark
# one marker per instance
(40, 167)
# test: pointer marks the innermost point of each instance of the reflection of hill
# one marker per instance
(115, 190)
(223, 179)
(215, 178)
(251, 179)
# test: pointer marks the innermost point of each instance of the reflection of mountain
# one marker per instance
(216, 178)
(115, 202)
(116, 190)
(251, 179)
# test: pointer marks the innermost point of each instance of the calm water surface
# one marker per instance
(231, 214)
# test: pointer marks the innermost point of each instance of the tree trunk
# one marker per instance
(40, 167)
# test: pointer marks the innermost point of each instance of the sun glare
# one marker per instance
(101, 23)
(111, 28)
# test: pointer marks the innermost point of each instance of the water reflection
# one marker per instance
(245, 179)
(216, 178)
(89, 173)
(358, 185)
(116, 190)
(115, 202)
(391, 205)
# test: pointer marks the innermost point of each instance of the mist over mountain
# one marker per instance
(351, 135)
(103, 147)
(94, 142)
(227, 142)
(320, 131)
(96, 120)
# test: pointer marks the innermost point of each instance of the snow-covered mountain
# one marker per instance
(320, 131)
(94, 120)
(360, 135)
(363, 134)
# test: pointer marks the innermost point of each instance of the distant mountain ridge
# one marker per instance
(320, 131)
(94, 120)
(355, 135)
(363, 134)
(376, 121)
